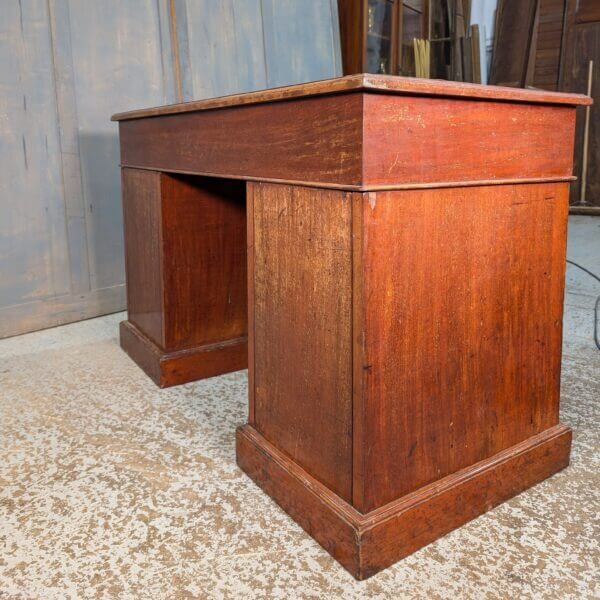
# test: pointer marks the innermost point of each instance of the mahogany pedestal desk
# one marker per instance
(405, 245)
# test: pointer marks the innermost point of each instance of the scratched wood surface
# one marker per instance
(65, 67)
(463, 358)
(302, 281)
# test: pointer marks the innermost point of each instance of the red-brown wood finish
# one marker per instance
(366, 544)
(186, 275)
(259, 141)
(406, 252)
(366, 82)
(204, 261)
(360, 141)
(143, 265)
(458, 334)
(302, 367)
(182, 366)
(413, 140)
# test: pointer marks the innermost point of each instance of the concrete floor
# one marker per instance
(112, 488)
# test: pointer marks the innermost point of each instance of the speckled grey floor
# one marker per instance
(112, 488)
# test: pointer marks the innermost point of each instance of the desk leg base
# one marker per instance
(366, 543)
(167, 369)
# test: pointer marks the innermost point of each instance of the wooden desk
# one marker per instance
(406, 258)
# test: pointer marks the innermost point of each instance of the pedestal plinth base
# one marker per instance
(173, 368)
(366, 543)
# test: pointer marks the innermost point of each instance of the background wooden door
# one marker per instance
(582, 44)
(65, 67)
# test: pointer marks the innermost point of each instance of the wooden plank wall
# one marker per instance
(548, 44)
(65, 67)
(582, 44)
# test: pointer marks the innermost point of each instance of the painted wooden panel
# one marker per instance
(300, 43)
(65, 67)
(264, 43)
(117, 64)
(222, 33)
(33, 254)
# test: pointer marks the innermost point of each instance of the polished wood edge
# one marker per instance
(250, 274)
(358, 352)
(167, 369)
(363, 188)
(585, 210)
(365, 83)
(365, 544)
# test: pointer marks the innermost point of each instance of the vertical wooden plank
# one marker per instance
(336, 41)
(179, 21)
(204, 259)
(580, 45)
(358, 349)
(167, 54)
(142, 216)
(117, 65)
(211, 38)
(226, 47)
(250, 189)
(299, 41)
(249, 46)
(34, 258)
(302, 325)
(72, 187)
(514, 31)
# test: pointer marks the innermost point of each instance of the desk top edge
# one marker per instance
(367, 83)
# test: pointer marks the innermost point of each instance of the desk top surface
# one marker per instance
(383, 84)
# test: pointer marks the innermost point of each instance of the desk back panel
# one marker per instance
(204, 260)
(457, 326)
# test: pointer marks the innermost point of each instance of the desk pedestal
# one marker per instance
(404, 358)
(185, 257)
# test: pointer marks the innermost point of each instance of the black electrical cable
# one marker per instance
(596, 306)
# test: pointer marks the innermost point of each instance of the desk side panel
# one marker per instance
(302, 367)
(142, 219)
(311, 140)
(432, 140)
(461, 321)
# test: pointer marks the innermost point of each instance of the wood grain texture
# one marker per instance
(290, 25)
(366, 544)
(204, 260)
(267, 141)
(457, 349)
(251, 295)
(226, 33)
(361, 141)
(352, 35)
(548, 44)
(142, 218)
(363, 82)
(582, 44)
(416, 520)
(167, 369)
(514, 30)
(412, 139)
(588, 11)
(186, 275)
(302, 327)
